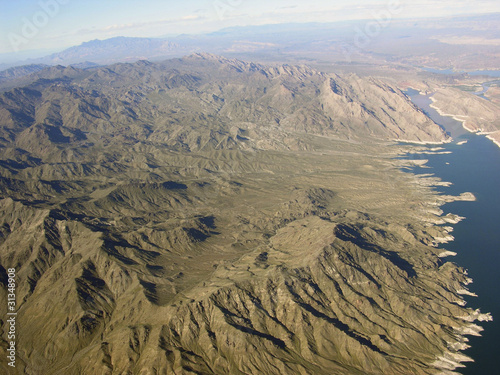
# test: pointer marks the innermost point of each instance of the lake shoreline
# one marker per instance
(475, 239)
(463, 120)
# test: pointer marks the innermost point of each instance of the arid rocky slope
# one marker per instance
(477, 114)
(470, 99)
(210, 216)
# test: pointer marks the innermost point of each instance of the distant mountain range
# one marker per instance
(20, 71)
(461, 43)
(111, 50)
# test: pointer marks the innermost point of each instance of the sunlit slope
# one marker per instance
(211, 216)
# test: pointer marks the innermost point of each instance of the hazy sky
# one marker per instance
(57, 24)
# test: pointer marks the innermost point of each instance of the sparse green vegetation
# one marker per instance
(468, 88)
(213, 216)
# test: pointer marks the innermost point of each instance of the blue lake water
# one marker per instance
(473, 167)
(491, 73)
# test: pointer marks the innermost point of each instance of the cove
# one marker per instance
(473, 167)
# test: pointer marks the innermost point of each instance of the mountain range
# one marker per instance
(208, 215)
(455, 43)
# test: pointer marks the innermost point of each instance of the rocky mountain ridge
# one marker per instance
(284, 97)
(207, 215)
